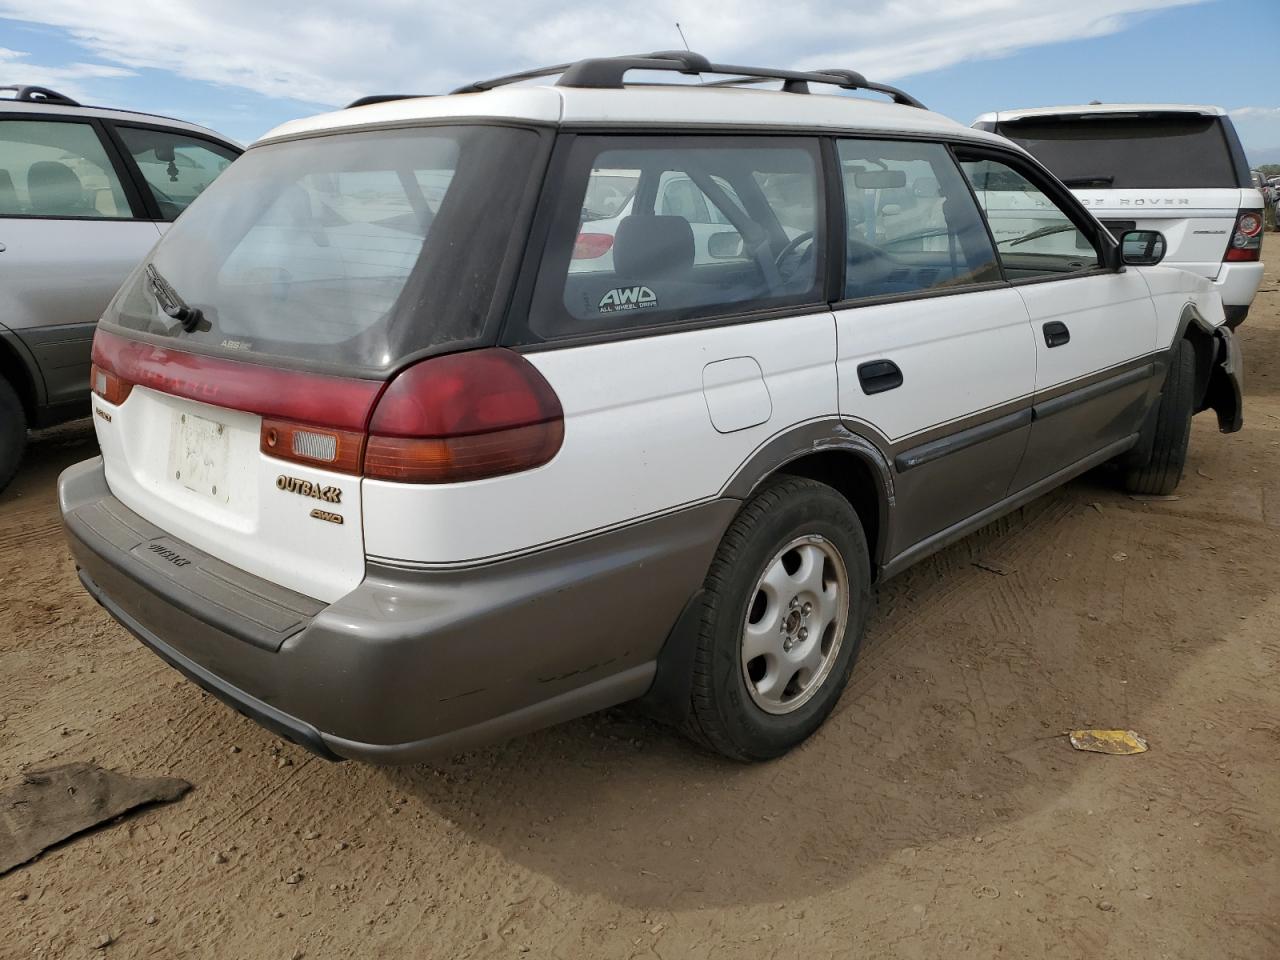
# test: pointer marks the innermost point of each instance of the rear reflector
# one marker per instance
(339, 450)
(108, 386)
(1246, 238)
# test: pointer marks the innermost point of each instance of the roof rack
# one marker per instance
(31, 94)
(609, 72)
(384, 98)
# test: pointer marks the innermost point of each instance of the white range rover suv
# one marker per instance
(1175, 168)
(387, 470)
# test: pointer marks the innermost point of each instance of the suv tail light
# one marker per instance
(1246, 238)
(588, 246)
(463, 417)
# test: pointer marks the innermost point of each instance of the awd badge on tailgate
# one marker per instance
(306, 488)
(325, 515)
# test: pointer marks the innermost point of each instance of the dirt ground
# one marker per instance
(938, 814)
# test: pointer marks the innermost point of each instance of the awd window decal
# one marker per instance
(627, 298)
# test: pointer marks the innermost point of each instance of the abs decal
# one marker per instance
(627, 298)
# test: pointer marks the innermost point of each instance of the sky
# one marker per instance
(243, 66)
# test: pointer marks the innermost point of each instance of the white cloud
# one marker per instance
(1256, 113)
(65, 78)
(326, 53)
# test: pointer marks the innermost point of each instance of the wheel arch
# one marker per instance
(829, 452)
(1199, 332)
(18, 367)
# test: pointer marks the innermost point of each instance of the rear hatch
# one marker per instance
(237, 370)
(1182, 173)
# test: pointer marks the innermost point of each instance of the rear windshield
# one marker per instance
(349, 252)
(1124, 151)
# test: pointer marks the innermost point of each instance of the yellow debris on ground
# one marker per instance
(1120, 743)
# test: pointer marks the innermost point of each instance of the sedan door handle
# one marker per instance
(877, 376)
(1056, 333)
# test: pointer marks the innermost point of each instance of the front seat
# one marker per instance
(56, 191)
(653, 260)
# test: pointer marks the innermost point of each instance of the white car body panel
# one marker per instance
(1110, 318)
(726, 107)
(958, 355)
(250, 523)
(638, 440)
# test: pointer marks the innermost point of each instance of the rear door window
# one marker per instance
(175, 165)
(1117, 151)
(673, 229)
(56, 168)
(911, 221)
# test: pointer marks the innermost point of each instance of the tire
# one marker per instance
(743, 707)
(13, 432)
(1160, 474)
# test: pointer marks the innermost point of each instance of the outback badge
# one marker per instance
(306, 488)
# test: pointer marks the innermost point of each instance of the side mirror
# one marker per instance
(1142, 248)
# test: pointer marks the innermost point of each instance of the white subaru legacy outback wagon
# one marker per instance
(395, 464)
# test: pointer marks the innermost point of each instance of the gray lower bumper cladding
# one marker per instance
(412, 664)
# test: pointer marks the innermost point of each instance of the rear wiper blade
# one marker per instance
(1082, 181)
(172, 304)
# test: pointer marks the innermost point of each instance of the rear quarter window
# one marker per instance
(1138, 151)
(653, 231)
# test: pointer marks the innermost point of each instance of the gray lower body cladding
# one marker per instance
(413, 663)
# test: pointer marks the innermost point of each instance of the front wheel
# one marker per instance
(786, 605)
(1162, 470)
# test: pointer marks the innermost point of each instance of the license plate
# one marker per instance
(198, 455)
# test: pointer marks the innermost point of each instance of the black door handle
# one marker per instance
(877, 376)
(1056, 333)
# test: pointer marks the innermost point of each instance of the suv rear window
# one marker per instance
(350, 251)
(1119, 151)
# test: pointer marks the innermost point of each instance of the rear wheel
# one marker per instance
(1160, 473)
(786, 604)
(13, 432)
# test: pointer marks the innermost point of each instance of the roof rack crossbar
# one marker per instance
(845, 79)
(28, 93)
(609, 72)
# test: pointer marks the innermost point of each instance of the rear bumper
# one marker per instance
(1237, 284)
(412, 664)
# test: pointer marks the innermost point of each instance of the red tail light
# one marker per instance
(1246, 238)
(459, 417)
(464, 417)
(588, 246)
